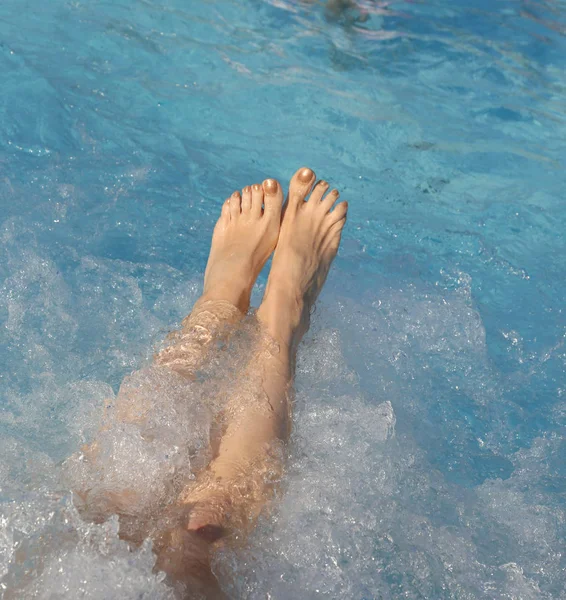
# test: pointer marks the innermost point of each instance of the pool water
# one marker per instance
(428, 452)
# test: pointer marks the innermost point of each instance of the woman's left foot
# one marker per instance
(245, 235)
(244, 238)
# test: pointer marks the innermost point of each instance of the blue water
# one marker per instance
(428, 456)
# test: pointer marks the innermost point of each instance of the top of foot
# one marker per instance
(308, 242)
(244, 237)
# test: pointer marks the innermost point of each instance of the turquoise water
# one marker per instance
(428, 456)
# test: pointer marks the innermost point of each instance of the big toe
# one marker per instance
(273, 198)
(300, 186)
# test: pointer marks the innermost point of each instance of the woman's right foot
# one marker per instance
(308, 242)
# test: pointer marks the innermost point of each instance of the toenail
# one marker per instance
(257, 187)
(247, 189)
(270, 186)
(323, 183)
(236, 194)
(305, 175)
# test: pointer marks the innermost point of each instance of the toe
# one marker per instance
(332, 241)
(338, 214)
(246, 199)
(300, 186)
(329, 200)
(235, 205)
(257, 199)
(273, 198)
(225, 214)
(318, 192)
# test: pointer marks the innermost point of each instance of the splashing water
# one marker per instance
(426, 459)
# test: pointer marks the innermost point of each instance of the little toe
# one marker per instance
(235, 205)
(332, 240)
(246, 199)
(273, 198)
(257, 199)
(300, 186)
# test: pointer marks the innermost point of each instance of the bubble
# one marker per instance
(365, 508)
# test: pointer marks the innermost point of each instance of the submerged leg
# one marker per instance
(244, 237)
(230, 494)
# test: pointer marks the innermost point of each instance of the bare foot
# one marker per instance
(243, 240)
(244, 237)
(308, 242)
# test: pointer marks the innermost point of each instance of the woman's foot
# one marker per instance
(243, 240)
(244, 237)
(308, 242)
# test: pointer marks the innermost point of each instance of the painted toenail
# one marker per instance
(257, 187)
(247, 189)
(236, 194)
(305, 175)
(270, 186)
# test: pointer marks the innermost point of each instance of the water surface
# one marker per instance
(427, 459)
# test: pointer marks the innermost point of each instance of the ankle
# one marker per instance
(236, 295)
(281, 314)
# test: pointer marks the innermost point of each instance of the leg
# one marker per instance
(240, 479)
(243, 239)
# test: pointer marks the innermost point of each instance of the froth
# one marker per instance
(366, 508)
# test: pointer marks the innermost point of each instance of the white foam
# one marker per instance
(152, 432)
(364, 510)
